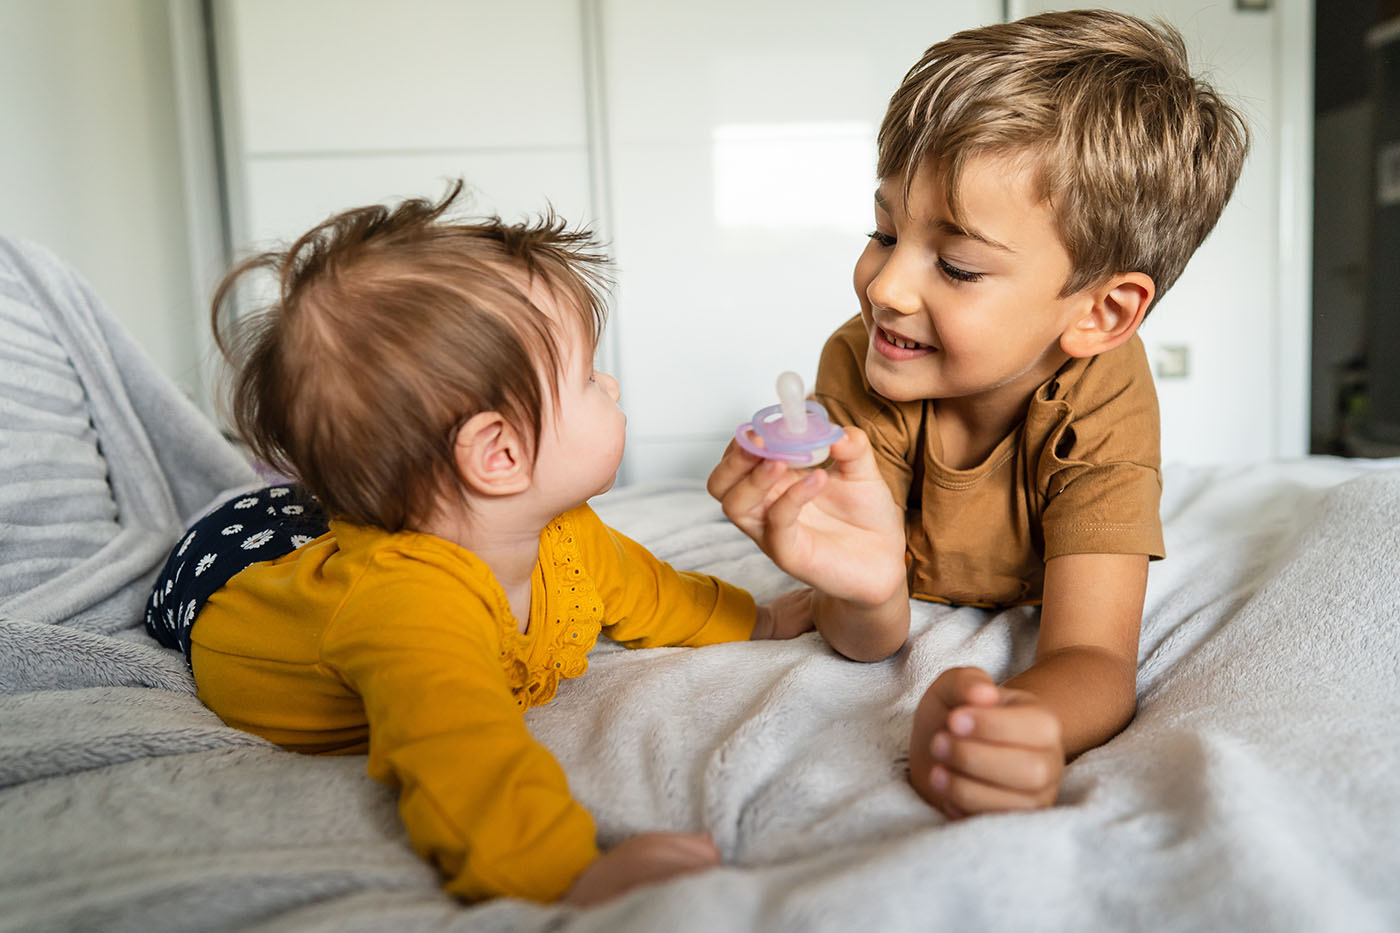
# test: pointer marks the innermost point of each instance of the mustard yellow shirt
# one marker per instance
(404, 646)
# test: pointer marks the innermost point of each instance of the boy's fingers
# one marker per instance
(732, 467)
(1012, 767)
(953, 686)
(972, 796)
(852, 456)
(785, 509)
(747, 503)
(981, 693)
(1030, 725)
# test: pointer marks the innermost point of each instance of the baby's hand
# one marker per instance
(836, 529)
(785, 617)
(980, 748)
(641, 860)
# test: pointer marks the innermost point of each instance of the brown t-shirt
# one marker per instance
(1081, 474)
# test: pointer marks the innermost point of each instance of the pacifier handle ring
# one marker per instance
(741, 436)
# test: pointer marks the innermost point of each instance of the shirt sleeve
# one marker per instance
(480, 798)
(647, 603)
(849, 400)
(1100, 465)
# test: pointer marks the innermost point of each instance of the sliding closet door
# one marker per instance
(726, 149)
(741, 158)
(333, 103)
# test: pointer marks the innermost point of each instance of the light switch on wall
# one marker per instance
(1173, 361)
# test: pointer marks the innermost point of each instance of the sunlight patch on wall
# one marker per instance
(793, 175)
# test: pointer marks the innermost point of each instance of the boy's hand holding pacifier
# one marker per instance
(836, 529)
(977, 747)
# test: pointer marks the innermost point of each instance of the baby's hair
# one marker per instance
(1136, 157)
(390, 328)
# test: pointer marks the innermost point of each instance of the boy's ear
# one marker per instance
(491, 456)
(1115, 312)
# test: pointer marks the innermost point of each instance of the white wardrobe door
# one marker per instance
(288, 196)
(333, 103)
(741, 142)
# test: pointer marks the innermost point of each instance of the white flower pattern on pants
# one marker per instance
(242, 531)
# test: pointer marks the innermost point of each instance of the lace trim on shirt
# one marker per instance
(580, 609)
(515, 649)
(572, 626)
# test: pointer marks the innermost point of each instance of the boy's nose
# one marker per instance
(894, 288)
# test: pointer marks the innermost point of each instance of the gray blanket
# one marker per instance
(1255, 790)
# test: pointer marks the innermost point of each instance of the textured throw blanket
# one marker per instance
(1256, 789)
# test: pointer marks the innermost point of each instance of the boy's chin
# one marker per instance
(890, 387)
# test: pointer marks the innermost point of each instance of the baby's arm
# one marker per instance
(647, 603)
(480, 797)
(837, 530)
(976, 747)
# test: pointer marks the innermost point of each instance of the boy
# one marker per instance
(1041, 183)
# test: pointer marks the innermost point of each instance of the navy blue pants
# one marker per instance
(245, 530)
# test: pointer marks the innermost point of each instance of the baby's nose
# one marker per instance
(611, 387)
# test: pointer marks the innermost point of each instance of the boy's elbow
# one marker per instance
(866, 633)
(870, 646)
(871, 654)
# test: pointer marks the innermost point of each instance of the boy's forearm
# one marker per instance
(863, 633)
(1092, 691)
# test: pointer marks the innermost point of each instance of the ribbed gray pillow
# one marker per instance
(56, 505)
(101, 457)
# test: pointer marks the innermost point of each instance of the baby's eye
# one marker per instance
(956, 274)
(884, 239)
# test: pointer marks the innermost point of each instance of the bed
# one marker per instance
(1257, 788)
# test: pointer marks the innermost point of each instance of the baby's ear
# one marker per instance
(491, 456)
(1114, 312)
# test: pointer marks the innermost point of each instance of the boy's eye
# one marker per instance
(956, 274)
(884, 239)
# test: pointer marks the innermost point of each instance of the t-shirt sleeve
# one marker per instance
(843, 391)
(1100, 466)
(480, 798)
(647, 603)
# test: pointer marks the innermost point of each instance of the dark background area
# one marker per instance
(1356, 217)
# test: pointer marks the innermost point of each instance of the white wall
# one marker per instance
(89, 159)
(1240, 310)
(564, 99)
(727, 150)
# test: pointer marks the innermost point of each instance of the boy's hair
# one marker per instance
(392, 327)
(1136, 157)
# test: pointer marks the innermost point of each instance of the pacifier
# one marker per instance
(795, 430)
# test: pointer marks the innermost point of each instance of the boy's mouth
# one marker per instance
(895, 347)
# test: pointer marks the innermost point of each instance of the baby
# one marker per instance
(435, 571)
(1041, 184)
